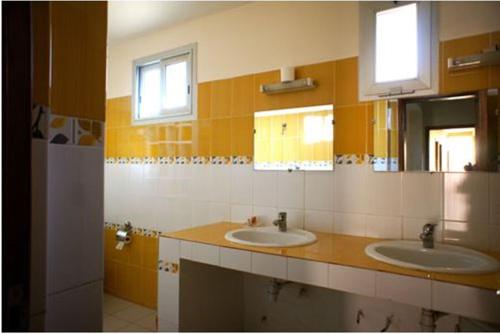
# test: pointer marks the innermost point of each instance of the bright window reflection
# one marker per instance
(318, 129)
(452, 150)
(396, 44)
(149, 91)
(176, 93)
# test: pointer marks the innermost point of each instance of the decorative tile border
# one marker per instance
(236, 160)
(354, 159)
(64, 130)
(295, 165)
(40, 121)
(135, 230)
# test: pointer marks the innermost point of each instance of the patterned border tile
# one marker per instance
(135, 230)
(60, 130)
(40, 121)
(88, 132)
(216, 160)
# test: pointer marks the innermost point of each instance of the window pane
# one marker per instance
(396, 44)
(176, 94)
(149, 91)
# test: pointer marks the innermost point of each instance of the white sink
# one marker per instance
(270, 237)
(442, 258)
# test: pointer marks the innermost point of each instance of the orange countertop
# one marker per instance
(331, 248)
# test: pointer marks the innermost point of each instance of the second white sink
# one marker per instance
(270, 237)
(441, 258)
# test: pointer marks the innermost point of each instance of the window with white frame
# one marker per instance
(165, 86)
(398, 49)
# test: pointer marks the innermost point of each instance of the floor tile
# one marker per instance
(133, 313)
(111, 305)
(111, 324)
(132, 328)
(148, 321)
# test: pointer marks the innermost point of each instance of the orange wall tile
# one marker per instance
(464, 80)
(132, 272)
(204, 100)
(346, 81)
(221, 91)
(495, 70)
(351, 129)
(221, 137)
(242, 136)
(242, 99)
(225, 108)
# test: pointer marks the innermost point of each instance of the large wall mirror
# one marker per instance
(294, 139)
(456, 133)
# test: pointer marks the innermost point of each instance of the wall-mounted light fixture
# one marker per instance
(490, 56)
(288, 83)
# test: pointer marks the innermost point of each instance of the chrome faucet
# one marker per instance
(427, 235)
(281, 221)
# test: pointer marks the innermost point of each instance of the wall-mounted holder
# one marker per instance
(123, 235)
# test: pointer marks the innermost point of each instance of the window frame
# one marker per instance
(426, 82)
(163, 59)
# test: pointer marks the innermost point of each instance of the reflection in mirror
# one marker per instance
(294, 139)
(386, 135)
(438, 134)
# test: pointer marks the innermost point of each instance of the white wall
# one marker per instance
(352, 200)
(263, 36)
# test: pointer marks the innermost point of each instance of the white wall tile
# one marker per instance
(403, 289)
(75, 216)
(466, 197)
(205, 253)
(200, 213)
(220, 183)
(265, 215)
(319, 221)
(242, 184)
(294, 217)
(269, 265)
(468, 301)
(467, 234)
(265, 187)
(181, 218)
(291, 189)
(412, 227)
(164, 212)
(169, 249)
(236, 259)
(200, 185)
(219, 212)
(186, 250)
(383, 227)
(308, 272)
(422, 195)
(168, 297)
(165, 326)
(494, 194)
(350, 188)
(383, 193)
(240, 213)
(75, 310)
(351, 224)
(354, 280)
(319, 190)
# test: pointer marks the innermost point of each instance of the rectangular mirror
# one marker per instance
(456, 133)
(294, 139)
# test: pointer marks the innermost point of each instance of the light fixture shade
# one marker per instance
(289, 86)
(488, 57)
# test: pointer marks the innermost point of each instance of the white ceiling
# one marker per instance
(129, 19)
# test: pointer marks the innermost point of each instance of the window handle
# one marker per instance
(397, 91)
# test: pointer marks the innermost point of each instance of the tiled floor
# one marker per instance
(123, 316)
